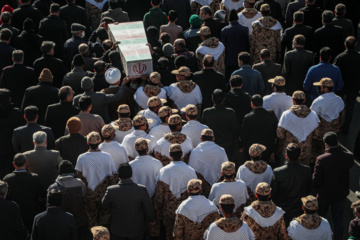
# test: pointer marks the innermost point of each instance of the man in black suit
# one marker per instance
(73, 13)
(290, 183)
(11, 225)
(312, 14)
(6, 24)
(24, 189)
(208, 80)
(22, 136)
(259, 126)
(54, 223)
(5, 48)
(275, 9)
(26, 10)
(57, 114)
(293, 72)
(130, 207)
(291, 9)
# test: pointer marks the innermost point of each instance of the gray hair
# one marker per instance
(3, 188)
(39, 137)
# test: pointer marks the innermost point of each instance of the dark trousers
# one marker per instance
(337, 214)
(229, 70)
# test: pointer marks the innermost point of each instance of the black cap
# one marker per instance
(331, 139)
(75, 27)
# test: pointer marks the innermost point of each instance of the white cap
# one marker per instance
(112, 75)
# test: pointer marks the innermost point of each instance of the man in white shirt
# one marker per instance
(194, 214)
(140, 124)
(145, 168)
(278, 101)
(310, 224)
(112, 147)
(162, 146)
(206, 159)
(193, 127)
(163, 128)
(249, 14)
(184, 91)
(124, 123)
(154, 104)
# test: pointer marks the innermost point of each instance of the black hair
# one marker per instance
(326, 54)
(84, 103)
(299, 39)
(293, 152)
(142, 152)
(107, 44)
(176, 155)
(206, 10)
(5, 96)
(19, 160)
(257, 158)
(54, 198)
(236, 81)
(5, 17)
(228, 208)
(102, 34)
(125, 171)
(329, 88)
(195, 194)
(257, 100)
(124, 115)
(54, 8)
(163, 119)
(156, 2)
(31, 112)
(173, 127)
(209, 60)
(245, 58)
(5, 34)
(299, 101)
(265, 53)
(207, 138)
(279, 88)
(63, 93)
(94, 146)
(173, 15)
(218, 96)
(350, 42)
(308, 211)
(99, 66)
(165, 37)
(192, 117)
(264, 197)
(66, 166)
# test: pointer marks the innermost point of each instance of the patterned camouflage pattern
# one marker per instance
(258, 167)
(195, 7)
(207, 132)
(194, 185)
(226, 199)
(309, 221)
(228, 168)
(326, 82)
(123, 108)
(256, 150)
(175, 148)
(107, 130)
(229, 225)
(183, 71)
(298, 95)
(173, 120)
(186, 229)
(205, 31)
(190, 109)
(164, 111)
(93, 138)
(278, 81)
(332, 126)
(94, 14)
(151, 91)
(306, 155)
(140, 120)
(310, 202)
(263, 37)
(100, 233)
(154, 102)
(263, 188)
(186, 86)
(267, 209)
(249, 12)
(141, 144)
(219, 65)
(175, 137)
(264, 7)
(124, 124)
(206, 187)
(355, 204)
(155, 77)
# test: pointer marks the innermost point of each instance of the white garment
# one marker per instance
(97, 4)
(237, 189)
(216, 52)
(253, 179)
(119, 135)
(206, 159)
(215, 233)
(196, 208)
(278, 102)
(176, 175)
(150, 114)
(95, 167)
(262, 221)
(328, 106)
(247, 22)
(297, 126)
(182, 99)
(203, 2)
(117, 152)
(298, 232)
(277, 26)
(141, 98)
(145, 171)
(129, 142)
(159, 131)
(193, 130)
(163, 145)
(229, 4)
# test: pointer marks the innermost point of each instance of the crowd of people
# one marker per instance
(88, 152)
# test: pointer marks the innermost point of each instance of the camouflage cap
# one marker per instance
(207, 132)
(298, 95)
(326, 82)
(141, 144)
(355, 204)
(204, 30)
(278, 81)
(183, 71)
(93, 138)
(226, 199)
(228, 168)
(190, 109)
(263, 189)
(155, 101)
(107, 130)
(155, 77)
(100, 233)
(164, 111)
(310, 202)
(256, 150)
(174, 119)
(123, 108)
(124, 124)
(175, 148)
(194, 185)
(140, 120)
(265, 7)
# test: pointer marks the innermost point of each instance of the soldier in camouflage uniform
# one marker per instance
(217, 49)
(266, 33)
(312, 224)
(171, 188)
(264, 218)
(299, 125)
(100, 233)
(194, 214)
(123, 123)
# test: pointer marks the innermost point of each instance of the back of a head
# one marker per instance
(265, 53)
(310, 2)
(5, 17)
(298, 17)
(173, 15)
(107, 44)
(5, 96)
(114, 4)
(31, 113)
(102, 34)
(3, 188)
(218, 96)
(18, 56)
(233, 16)
(5, 34)
(236, 81)
(114, 56)
(325, 54)
(54, 198)
(39, 137)
(245, 58)
(340, 9)
(350, 42)
(165, 37)
(125, 171)
(327, 16)
(66, 167)
(64, 92)
(293, 151)
(180, 61)
(19, 159)
(54, 8)
(299, 40)
(209, 60)
(47, 46)
(99, 66)
(257, 100)
(84, 103)
(28, 24)
(83, 49)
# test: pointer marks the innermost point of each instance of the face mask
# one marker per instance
(82, 34)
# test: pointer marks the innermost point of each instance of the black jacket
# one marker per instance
(312, 16)
(214, 26)
(30, 43)
(330, 36)
(348, 62)
(290, 183)
(71, 146)
(100, 82)
(57, 115)
(331, 174)
(268, 69)
(55, 65)
(43, 6)
(26, 11)
(6, 55)
(290, 33)
(11, 225)
(72, 13)
(276, 11)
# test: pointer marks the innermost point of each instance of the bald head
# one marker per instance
(83, 49)
(350, 42)
(208, 61)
